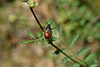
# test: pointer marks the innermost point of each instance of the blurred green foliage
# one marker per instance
(77, 17)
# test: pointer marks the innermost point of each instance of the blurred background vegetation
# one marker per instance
(80, 17)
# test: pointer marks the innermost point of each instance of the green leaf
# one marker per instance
(82, 51)
(54, 54)
(37, 42)
(54, 31)
(54, 38)
(89, 58)
(38, 34)
(73, 40)
(63, 49)
(94, 65)
(60, 30)
(66, 59)
(26, 42)
(29, 33)
(46, 42)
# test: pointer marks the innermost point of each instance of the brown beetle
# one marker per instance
(48, 32)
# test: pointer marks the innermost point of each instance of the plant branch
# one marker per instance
(51, 41)
(36, 19)
(64, 53)
(75, 54)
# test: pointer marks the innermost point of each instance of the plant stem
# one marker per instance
(64, 53)
(36, 19)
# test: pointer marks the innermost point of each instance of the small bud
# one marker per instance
(32, 4)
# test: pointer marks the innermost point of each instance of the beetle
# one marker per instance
(48, 32)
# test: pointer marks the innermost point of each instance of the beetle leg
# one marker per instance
(39, 36)
(53, 28)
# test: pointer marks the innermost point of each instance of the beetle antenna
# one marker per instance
(53, 28)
